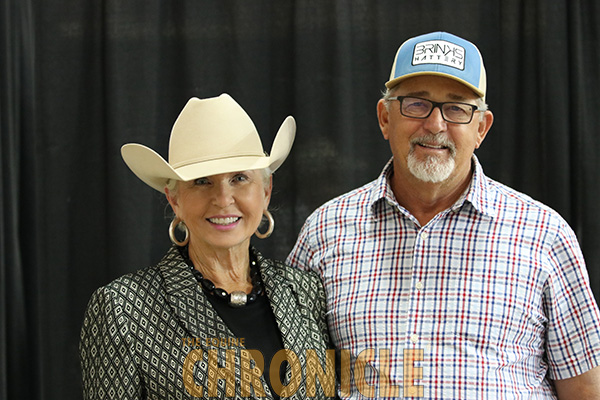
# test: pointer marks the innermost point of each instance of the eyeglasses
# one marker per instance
(454, 112)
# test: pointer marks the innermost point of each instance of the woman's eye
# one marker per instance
(240, 178)
(201, 181)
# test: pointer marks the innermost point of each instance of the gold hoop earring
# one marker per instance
(177, 222)
(271, 226)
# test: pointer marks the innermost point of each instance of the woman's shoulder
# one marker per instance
(138, 278)
(144, 283)
(130, 287)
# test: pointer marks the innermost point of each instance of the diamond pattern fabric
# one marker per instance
(141, 330)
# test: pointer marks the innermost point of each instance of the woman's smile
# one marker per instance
(224, 223)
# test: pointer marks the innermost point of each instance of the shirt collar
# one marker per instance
(477, 194)
(382, 189)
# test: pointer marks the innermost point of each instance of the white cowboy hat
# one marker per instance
(211, 136)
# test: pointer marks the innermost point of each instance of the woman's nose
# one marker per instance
(223, 195)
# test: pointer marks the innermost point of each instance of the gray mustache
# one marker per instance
(434, 140)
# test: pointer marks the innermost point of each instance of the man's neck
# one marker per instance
(424, 200)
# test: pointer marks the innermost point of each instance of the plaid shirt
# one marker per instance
(493, 291)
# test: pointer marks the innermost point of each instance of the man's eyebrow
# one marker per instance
(457, 97)
(426, 94)
(418, 94)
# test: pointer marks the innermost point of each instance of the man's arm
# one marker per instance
(581, 387)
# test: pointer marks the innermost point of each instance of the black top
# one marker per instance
(256, 324)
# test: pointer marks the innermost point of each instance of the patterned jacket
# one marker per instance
(144, 336)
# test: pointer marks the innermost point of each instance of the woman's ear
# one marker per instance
(268, 192)
(172, 199)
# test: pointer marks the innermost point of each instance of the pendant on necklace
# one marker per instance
(237, 298)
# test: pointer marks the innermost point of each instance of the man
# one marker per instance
(442, 283)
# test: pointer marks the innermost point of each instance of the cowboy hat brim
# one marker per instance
(153, 170)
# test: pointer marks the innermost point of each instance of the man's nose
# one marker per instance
(435, 122)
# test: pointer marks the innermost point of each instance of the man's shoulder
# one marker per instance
(356, 198)
(301, 278)
(509, 200)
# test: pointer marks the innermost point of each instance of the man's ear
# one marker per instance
(383, 117)
(484, 127)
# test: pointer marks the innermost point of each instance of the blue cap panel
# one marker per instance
(440, 53)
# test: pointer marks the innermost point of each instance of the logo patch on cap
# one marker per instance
(439, 52)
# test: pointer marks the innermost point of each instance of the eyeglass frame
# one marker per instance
(435, 104)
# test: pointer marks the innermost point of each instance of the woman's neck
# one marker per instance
(228, 269)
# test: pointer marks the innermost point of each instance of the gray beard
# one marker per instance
(433, 169)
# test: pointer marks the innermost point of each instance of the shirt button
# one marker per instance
(414, 338)
(424, 235)
(419, 285)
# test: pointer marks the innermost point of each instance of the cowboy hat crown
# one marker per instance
(210, 136)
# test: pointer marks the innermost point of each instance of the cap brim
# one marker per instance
(391, 83)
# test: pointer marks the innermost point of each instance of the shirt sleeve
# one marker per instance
(108, 368)
(301, 254)
(573, 331)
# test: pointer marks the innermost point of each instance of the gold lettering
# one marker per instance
(326, 377)
(411, 373)
(216, 373)
(362, 360)
(386, 389)
(251, 374)
(345, 372)
(291, 357)
(188, 373)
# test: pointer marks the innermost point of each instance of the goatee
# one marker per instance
(434, 168)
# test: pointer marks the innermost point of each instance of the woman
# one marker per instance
(207, 320)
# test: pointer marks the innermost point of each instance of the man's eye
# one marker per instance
(417, 104)
(457, 108)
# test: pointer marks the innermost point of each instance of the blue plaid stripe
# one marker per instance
(494, 289)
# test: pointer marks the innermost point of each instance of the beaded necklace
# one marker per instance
(236, 298)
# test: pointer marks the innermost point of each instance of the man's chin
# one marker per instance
(432, 170)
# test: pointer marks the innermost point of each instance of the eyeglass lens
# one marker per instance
(451, 111)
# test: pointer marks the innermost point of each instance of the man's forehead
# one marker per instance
(431, 85)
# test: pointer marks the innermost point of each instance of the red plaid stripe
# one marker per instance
(494, 290)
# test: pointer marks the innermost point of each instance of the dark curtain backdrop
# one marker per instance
(81, 78)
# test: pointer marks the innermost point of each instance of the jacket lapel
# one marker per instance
(187, 301)
(193, 310)
(295, 336)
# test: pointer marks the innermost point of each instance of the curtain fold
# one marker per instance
(19, 335)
